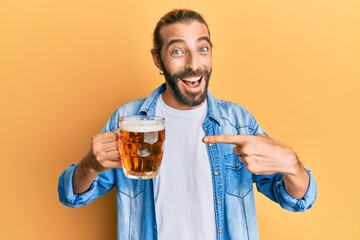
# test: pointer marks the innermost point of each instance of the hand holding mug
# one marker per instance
(105, 151)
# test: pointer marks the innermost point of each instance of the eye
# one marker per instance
(204, 49)
(177, 52)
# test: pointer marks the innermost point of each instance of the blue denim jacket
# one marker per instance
(232, 183)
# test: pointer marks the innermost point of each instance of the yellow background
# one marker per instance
(65, 66)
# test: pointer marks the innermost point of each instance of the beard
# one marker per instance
(186, 97)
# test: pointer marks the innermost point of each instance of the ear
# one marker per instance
(156, 58)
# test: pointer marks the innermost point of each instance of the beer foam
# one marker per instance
(142, 126)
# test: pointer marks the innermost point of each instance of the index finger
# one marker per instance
(226, 138)
(105, 137)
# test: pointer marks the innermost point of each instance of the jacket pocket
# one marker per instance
(238, 180)
(130, 187)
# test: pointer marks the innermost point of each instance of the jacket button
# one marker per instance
(211, 144)
(216, 173)
(219, 202)
(220, 231)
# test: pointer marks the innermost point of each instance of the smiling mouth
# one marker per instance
(192, 81)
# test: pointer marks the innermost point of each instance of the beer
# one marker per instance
(141, 140)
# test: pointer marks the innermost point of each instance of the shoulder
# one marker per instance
(231, 109)
(126, 109)
(130, 108)
(236, 115)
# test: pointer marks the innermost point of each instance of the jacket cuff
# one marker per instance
(70, 198)
(298, 205)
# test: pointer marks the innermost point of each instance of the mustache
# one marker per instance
(188, 73)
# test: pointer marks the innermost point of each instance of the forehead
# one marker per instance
(189, 30)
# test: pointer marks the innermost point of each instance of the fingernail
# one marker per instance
(205, 139)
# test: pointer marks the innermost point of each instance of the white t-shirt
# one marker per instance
(183, 187)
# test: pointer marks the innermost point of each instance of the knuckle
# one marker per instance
(95, 149)
(248, 148)
(98, 158)
(226, 138)
(98, 153)
(251, 167)
(95, 137)
(110, 135)
(105, 164)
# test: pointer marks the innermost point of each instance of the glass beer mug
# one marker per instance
(141, 140)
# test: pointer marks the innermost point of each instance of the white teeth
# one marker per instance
(191, 79)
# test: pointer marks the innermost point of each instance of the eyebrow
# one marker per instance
(206, 38)
(176, 40)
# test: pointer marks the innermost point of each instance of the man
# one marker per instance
(214, 152)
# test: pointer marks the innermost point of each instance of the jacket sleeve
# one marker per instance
(101, 185)
(273, 187)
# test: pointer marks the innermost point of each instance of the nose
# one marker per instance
(192, 61)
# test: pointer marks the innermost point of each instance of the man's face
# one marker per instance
(186, 60)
